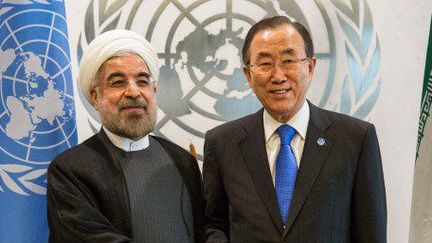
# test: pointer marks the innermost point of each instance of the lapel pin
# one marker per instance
(321, 141)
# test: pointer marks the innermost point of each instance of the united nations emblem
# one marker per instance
(199, 43)
(37, 106)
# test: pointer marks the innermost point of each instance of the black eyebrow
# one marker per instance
(289, 52)
(115, 75)
(121, 75)
(263, 54)
(143, 74)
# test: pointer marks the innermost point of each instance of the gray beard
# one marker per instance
(133, 126)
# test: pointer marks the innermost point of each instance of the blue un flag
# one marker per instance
(37, 116)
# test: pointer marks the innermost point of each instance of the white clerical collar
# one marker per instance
(127, 144)
(299, 122)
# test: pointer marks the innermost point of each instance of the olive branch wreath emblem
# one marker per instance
(25, 180)
(362, 84)
(28, 172)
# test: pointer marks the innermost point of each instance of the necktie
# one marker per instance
(286, 171)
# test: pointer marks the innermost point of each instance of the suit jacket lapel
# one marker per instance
(313, 158)
(255, 156)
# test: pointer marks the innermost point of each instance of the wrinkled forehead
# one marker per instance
(124, 61)
(288, 52)
(280, 41)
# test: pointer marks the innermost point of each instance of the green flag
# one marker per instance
(421, 209)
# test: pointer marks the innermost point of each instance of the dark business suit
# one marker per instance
(88, 199)
(339, 193)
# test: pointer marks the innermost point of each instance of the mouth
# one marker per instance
(279, 91)
(133, 108)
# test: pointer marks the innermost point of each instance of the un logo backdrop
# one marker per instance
(37, 116)
(199, 45)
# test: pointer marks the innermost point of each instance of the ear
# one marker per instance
(94, 98)
(246, 71)
(311, 67)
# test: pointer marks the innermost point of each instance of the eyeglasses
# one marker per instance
(267, 67)
(119, 82)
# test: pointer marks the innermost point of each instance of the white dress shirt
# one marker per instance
(127, 144)
(299, 122)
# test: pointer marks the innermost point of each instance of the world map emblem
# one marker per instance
(37, 117)
(199, 43)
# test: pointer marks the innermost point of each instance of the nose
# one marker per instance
(278, 74)
(132, 90)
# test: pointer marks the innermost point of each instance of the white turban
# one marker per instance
(107, 45)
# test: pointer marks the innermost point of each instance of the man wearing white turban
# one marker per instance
(122, 185)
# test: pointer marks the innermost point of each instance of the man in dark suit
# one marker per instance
(291, 172)
(122, 185)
